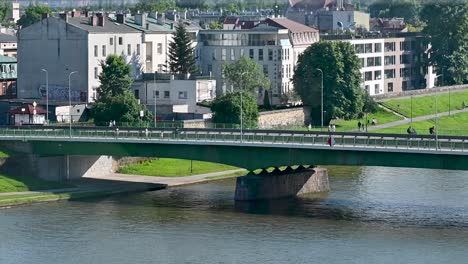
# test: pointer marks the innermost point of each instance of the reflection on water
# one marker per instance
(372, 215)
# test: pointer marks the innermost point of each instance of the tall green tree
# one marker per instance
(33, 14)
(407, 9)
(447, 27)
(154, 5)
(342, 92)
(5, 9)
(115, 100)
(181, 52)
(245, 74)
(227, 109)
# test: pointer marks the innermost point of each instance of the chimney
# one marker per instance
(147, 26)
(172, 25)
(101, 21)
(140, 19)
(45, 15)
(93, 20)
(64, 16)
(121, 18)
(75, 13)
(86, 13)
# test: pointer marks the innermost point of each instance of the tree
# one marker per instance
(115, 100)
(33, 14)
(447, 27)
(227, 108)
(181, 53)
(215, 25)
(246, 74)
(5, 9)
(154, 5)
(342, 93)
(407, 9)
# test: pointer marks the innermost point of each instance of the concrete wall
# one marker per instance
(57, 47)
(281, 118)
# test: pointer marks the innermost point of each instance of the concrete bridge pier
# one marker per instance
(281, 184)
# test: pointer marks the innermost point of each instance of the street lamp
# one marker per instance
(241, 108)
(155, 98)
(69, 99)
(47, 95)
(321, 98)
(436, 122)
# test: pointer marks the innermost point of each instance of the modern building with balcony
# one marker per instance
(276, 44)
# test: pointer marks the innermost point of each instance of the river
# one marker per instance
(372, 215)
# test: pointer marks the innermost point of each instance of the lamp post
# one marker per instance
(47, 95)
(241, 108)
(411, 116)
(436, 122)
(321, 98)
(69, 99)
(155, 99)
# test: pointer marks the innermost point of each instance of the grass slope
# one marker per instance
(456, 125)
(425, 105)
(382, 116)
(173, 168)
(21, 184)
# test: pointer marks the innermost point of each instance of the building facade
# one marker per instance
(8, 74)
(275, 44)
(77, 44)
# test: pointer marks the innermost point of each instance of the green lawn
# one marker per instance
(21, 184)
(448, 125)
(173, 168)
(382, 116)
(425, 105)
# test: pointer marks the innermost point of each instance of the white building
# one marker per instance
(171, 95)
(67, 44)
(275, 44)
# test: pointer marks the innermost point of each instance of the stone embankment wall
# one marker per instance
(292, 117)
(421, 92)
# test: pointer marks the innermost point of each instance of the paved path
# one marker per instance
(168, 181)
(415, 119)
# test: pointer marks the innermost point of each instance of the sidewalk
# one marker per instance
(415, 119)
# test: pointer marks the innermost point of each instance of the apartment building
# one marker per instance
(392, 63)
(76, 43)
(276, 44)
(8, 45)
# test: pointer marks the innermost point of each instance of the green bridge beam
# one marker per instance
(254, 157)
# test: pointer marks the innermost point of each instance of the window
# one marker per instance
(138, 49)
(378, 61)
(213, 55)
(405, 59)
(260, 54)
(242, 52)
(265, 70)
(129, 49)
(370, 62)
(233, 55)
(167, 94)
(368, 76)
(182, 95)
(390, 87)
(404, 85)
(103, 50)
(359, 48)
(156, 94)
(377, 89)
(390, 46)
(223, 54)
(251, 53)
(137, 94)
(120, 40)
(389, 60)
(378, 47)
(367, 89)
(95, 51)
(210, 68)
(405, 72)
(389, 74)
(378, 75)
(405, 45)
(368, 48)
(111, 41)
(270, 54)
(159, 48)
(363, 64)
(96, 72)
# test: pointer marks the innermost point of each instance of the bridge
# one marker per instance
(253, 149)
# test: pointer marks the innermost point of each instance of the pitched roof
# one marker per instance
(7, 38)
(153, 25)
(311, 4)
(110, 26)
(292, 26)
(28, 109)
(6, 59)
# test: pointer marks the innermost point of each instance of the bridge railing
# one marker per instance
(364, 140)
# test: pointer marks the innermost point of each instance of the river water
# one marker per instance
(372, 215)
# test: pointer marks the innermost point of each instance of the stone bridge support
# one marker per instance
(281, 184)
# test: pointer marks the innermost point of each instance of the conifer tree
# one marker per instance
(181, 53)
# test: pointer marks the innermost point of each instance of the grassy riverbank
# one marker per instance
(173, 168)
(425, 105)
(22, 184)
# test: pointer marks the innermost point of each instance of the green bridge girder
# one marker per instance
(252, 156)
